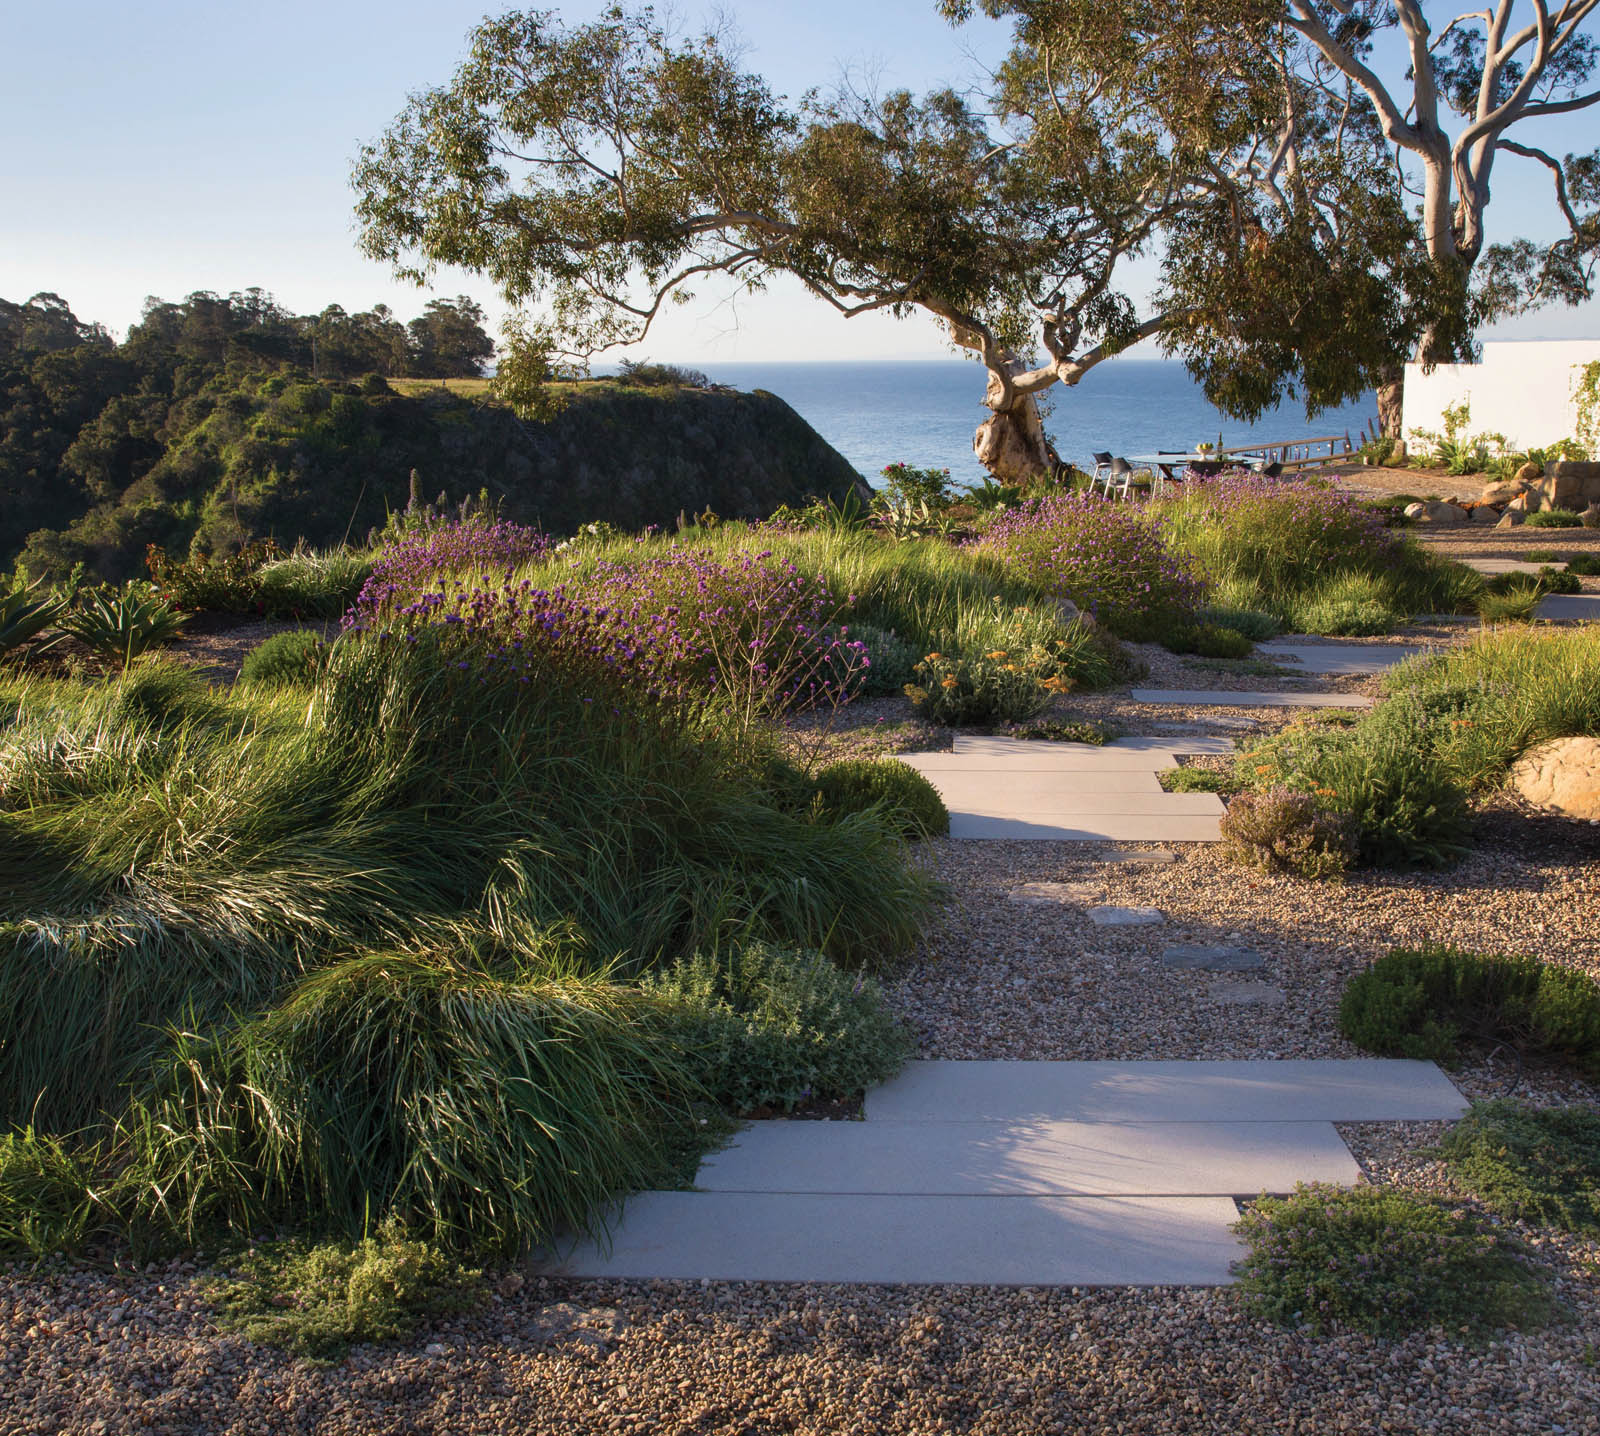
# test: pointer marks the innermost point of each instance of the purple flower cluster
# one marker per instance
(1106, 557)
(419, 559)
(679, 629)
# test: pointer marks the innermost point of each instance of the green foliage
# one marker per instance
(1553, 519)
(118, 626)
(46, 1204)
(1584, 565)
(642, 374)
(1400, 800)
(1252, 622)
(974, 689)
(1586, 396)
(285, 660)
(906, 799)
(319, 1301)
(1540, 1166)
(482, 1106)
(25, 613)
(1426, 1002)
(1384, 1262)
(1347, 605)
(1512, 602)
(761, 1026)
(1093, 731)
(905, 485)
(1209, 640)
(1454, 450)
(1377, 450)
(310, 585)
(1279, 830)
(1207, 780)
(206, 583)
(891, 660)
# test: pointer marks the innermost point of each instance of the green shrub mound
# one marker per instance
(319, 1301)
(1198, 780)
(46, 1204)
(1540, 1166)
(1209, 640)
(905, 798)
(1553, 519)
(761, 1026)
(1584, 565)
(1283, 831)
(1252, 622)
(1383, 1262)
(1427, 1002)
(890, 661)
(286, 660)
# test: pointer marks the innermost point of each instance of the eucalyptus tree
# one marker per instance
(597, 173)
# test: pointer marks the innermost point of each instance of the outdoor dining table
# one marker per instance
(1166, 464)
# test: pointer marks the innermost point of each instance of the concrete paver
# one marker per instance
(987, 1240)
(1222, 698)
(1339, 658)
(1182, 1159)
(1370, 1089)
(1569, 608)
(1109, 828)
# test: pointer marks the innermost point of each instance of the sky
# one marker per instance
(175, 146)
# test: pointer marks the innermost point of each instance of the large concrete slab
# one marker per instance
(1187, 1159)
(1339, 658)
(1221, 698)
(1170, 743)
(1041, 758)
(1367, 1089)
(1007, 785)
(1508, 565)
(1056, 801)
(983, 1240)
(1569, 608)
(1110, 828)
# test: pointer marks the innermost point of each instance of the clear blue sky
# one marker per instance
(169, 147)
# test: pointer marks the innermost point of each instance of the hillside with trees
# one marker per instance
(222, 420)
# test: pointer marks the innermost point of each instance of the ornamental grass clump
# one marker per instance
(905, 798)
(1106, 558)
(1384, 1262)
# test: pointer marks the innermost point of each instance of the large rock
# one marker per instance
(1439, 512)
(1579, 479)
(1590, 517)
(1563, 774)
(1485, 514)
(1527, 473)
(1510, 519)
(1505, 491)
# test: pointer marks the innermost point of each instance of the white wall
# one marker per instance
(1522, 389)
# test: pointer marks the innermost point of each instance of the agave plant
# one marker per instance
(121, 626)
(25, 612)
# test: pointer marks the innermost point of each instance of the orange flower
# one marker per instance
(997, 655)
(948, 683)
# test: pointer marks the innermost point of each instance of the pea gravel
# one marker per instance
(87, 1350)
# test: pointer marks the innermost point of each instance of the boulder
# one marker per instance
(1590, 517)
(1527, 473)
(1563, 774)
(1485, 514)
(1439, 512)
(1504, 492)
(1510, 519)
(1413, 511)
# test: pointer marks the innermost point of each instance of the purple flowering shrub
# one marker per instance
(750, 635)
(1284, 535)
(1108, 559)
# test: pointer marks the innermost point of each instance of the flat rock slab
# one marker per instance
(1188, 955)
(1343, 657)
(1022, 747)
(1060, 801)
(1569, 608)
(1042, 758)
(1055, 894)
(1183, 1159)
(1366, 1089)
(1247, 994)
(1126, 916)
(1135, 856)
(1219, 698)
(1019, 784)
(1507, 565)
(1111, 828)
(983, 1240)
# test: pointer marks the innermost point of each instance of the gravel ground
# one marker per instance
(91, 1350)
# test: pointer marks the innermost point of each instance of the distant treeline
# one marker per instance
(220, 420)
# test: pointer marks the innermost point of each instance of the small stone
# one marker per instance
(1125, 916)
(1247, 994)
(1040, 894)
(1212, 959)
(1510, 519)
(435, 1348)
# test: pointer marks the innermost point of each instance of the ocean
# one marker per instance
(924, 412)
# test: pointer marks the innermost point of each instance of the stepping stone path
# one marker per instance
(1569, 608)
(1223, 698)
(1016, 1173)
(1125, 916)
(1493, 566)
(1071, 792)
(1213, 959)
(1340, 658)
